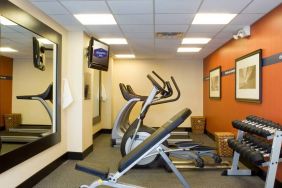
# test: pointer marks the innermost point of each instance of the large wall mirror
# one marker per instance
(96, 96)
(29, 86)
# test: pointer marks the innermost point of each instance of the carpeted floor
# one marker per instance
(66, 176)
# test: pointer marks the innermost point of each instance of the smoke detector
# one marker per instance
(169, 35)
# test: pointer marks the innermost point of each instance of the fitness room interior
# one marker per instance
(140, 93)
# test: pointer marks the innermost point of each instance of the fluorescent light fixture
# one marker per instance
(44, 41)
(96, 19)
(213, 18)
(125, 56)
(5, 21)
(188, 49)
(114, 40)
(195, 40)
(7, 49)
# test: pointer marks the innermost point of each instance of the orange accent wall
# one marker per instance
(6, 69)
(266, 34)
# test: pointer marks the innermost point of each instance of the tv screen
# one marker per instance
(38, 55)
(98, 55)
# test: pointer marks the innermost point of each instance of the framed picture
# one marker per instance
(248, 77)
(215, 83)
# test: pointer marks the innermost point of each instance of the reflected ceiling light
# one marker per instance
(188, 49)
(114, 40)
(213, 18)
(96, 19)
(44, 41)
(195, 40)
(5, 21)
(125, 56)
(7, 49)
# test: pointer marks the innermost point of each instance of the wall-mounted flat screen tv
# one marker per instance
(98, 55)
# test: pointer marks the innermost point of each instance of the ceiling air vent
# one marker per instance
(169, 35)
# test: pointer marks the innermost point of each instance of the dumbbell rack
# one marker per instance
(266, 130)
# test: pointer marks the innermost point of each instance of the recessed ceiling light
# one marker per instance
(7, 49)
(125, 56)
(195, 40)
(96, 19)
(5, 21)
(114, 40)
(213, 18)
(188, 49)
(44, 41)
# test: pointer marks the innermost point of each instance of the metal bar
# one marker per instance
(274, 159)
(173, 168)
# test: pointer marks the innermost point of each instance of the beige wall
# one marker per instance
(16, 175)
(30, 81)
(187, 73)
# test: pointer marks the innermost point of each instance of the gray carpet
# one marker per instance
(66, 176)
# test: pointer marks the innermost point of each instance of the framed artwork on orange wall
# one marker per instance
(248, 77)
(215, 83)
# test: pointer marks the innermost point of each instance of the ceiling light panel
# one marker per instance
(213, 18)
(96, 19)
(125, 56)
(131, 7)
(5, 21)
(188, 49)
(195, 40)
(113, 40)
(7, 49)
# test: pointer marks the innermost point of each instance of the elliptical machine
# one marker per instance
(137, 133)
(122, 122)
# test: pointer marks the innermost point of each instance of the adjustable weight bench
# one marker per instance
(152, 144)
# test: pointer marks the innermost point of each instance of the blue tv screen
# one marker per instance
(98, 55)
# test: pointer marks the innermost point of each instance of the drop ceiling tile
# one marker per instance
(174, 18)
(137, 28)
(232, 28)
(190, 34)
(141, 43)
(74, 27)
(171, 28)
(108, 35)
(245, 19)
(177, 6)
(261, 6)
(79, 7)
(167, 43)
(224, 35)
(131, 7)
(50, 7)
(223, 6)
(135, 19)
(205, 28)
(103, 28)
(65, 19)
(139, 35)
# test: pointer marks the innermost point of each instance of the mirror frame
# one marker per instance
(24, 19)
(97, 119)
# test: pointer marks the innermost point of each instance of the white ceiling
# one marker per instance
(138, 20)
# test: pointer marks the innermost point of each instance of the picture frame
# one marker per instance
(215, 83)
(248, 77)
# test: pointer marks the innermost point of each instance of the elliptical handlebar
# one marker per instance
(156, 84)
(170, 100)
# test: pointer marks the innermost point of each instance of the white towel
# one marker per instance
(67, 96)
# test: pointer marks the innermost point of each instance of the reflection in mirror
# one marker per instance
(96, 96)
(27, 76)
